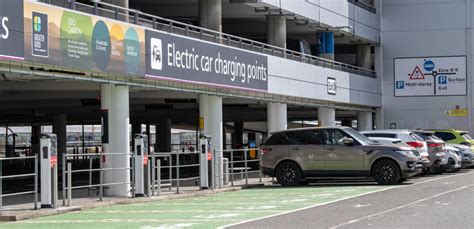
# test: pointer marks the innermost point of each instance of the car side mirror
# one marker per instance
(347, 141)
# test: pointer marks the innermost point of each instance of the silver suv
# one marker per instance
(298, 155)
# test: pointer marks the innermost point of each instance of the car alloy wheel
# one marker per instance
(386, 172)
(288, 174)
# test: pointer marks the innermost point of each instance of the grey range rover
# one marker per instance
(297, 156)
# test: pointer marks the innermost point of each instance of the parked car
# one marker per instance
(467, 156)
(407, 136)
(454, 161)
(436, 150)
(296, 155)
(455, 137)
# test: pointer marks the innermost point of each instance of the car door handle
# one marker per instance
(296, 148)
(331, 148)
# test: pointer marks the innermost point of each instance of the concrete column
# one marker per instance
(204, 112)
(363, 56)
(276, 30)
(379, 119)
(238, 137)
(60, 129)
(165, 135)
(326, 116)
(214, 122)
(35, 138)
(106, 104)
(364, 120)
(210, 14)
(276, 117)
(116, 99)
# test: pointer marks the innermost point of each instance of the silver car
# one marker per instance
(454, 162)
(407, 136)
(296, 155)
(466, 154)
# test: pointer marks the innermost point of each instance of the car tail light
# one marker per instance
(415, 144)
(435, 145)
(265, 150)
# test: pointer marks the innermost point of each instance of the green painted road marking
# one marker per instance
(198, 212)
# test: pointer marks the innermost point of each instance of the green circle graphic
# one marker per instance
(131, 49)
(101, 46)
(76, 34)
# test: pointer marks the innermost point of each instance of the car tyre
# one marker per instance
(386, 172)
(288, 174)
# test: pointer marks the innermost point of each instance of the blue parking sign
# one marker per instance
(400, 84)
(442, 80)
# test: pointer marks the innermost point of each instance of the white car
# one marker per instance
(453, 159)
(408, 137)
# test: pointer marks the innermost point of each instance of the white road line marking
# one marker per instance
(399, 207)
(346, 198)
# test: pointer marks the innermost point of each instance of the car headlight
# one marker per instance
(406, 153)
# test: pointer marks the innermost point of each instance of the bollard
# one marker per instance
(36, 182)
(69, 184)
(245, 164)
(232, 168)
(63, 171)
(177, 173)
(90, 174)
(101, 177)
(153, 175)
(55, 186)
(158, 175)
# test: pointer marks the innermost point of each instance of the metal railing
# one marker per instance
(67, 184)
(16, 176)
(241, 162)
(175, 162)
(175, 27)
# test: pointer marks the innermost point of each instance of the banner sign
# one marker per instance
(11, 29)
(72, 39)
(187, 60)
(430, 76)
(46, 34)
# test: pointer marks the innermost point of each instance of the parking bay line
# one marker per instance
(342, 199)
(399, 207)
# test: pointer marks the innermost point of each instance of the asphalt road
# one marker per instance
(443, 201)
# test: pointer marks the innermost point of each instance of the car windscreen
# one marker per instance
(466, 136)
(362, 139)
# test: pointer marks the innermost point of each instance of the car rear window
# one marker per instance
(445, 136)
(278, 139)
(416, 137)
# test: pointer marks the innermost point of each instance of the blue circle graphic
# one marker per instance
(101, 45)
(429, 65)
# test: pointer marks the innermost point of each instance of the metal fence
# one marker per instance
(240, 164)
(173, 162)
(180, 28)
(95, 165)
(31, 159)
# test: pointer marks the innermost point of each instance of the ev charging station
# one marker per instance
(205, 169)
(49, 169)
(141, 165)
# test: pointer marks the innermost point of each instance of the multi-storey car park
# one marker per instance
(230, 68)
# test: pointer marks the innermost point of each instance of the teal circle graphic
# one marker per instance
(131, 49)
(101, 46)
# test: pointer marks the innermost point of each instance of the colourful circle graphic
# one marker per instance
(37, 24)
(131, 49)
(101, 45)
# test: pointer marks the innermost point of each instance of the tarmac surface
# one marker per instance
(443, 201)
